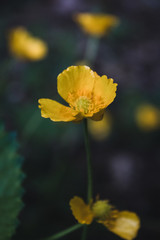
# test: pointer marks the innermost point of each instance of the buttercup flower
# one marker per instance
(101, 129)
(96, 24)
(125, 224)
(24, 46)
(85, 91)
(147, 117)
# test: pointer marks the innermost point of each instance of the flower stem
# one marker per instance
(84, 233)
(64, 232)
(89, 165)
(92, 49)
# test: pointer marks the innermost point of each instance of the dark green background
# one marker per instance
(127, 164)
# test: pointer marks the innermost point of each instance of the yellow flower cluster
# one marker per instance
(85, 91)
(125, 224)
(96, 24)
(24, 46)
(147, 117)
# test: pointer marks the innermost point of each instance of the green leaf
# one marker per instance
(11, 190)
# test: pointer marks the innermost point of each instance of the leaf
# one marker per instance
(11, 190)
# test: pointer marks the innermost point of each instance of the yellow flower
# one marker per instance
(85, 91)
(96, 24)
(101, 129)
(24, 46)
(147, 117)
(125, 224)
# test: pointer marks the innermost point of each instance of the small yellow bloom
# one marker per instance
(85, 91)
(101, 129)
(24, 46)
(147, 117)
(125, 224)
(96, 24)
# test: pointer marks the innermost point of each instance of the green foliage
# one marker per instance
(10, 184)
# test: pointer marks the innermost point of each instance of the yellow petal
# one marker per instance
(81, 211)
(126, 225)
(104, 91)
(74, 82)
(56, 111)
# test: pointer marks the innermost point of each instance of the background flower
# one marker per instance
(24, 46)
(147, 117)
(96, 24)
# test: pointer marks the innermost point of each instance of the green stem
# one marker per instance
(89, 165)
(64, 232)
(84, 233)
(91, 49)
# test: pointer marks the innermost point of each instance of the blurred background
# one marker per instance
(126, 160)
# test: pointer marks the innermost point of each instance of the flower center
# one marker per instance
(101, 209)
(83, 104)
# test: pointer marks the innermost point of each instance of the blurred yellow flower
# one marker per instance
(147, 117)
(85, 91)
(24, 46)
(101, 129)
(125, 224)
(96, 24)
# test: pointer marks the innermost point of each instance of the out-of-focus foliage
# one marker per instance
(11, 177)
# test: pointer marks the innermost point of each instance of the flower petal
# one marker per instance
(78, 80)
(56, 111)
(104, 91)
(126, 225)
(81, 211)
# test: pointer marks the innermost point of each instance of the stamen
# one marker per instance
(101, 209)
(83, 104)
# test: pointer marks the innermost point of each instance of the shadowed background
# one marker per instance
(126, 163)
